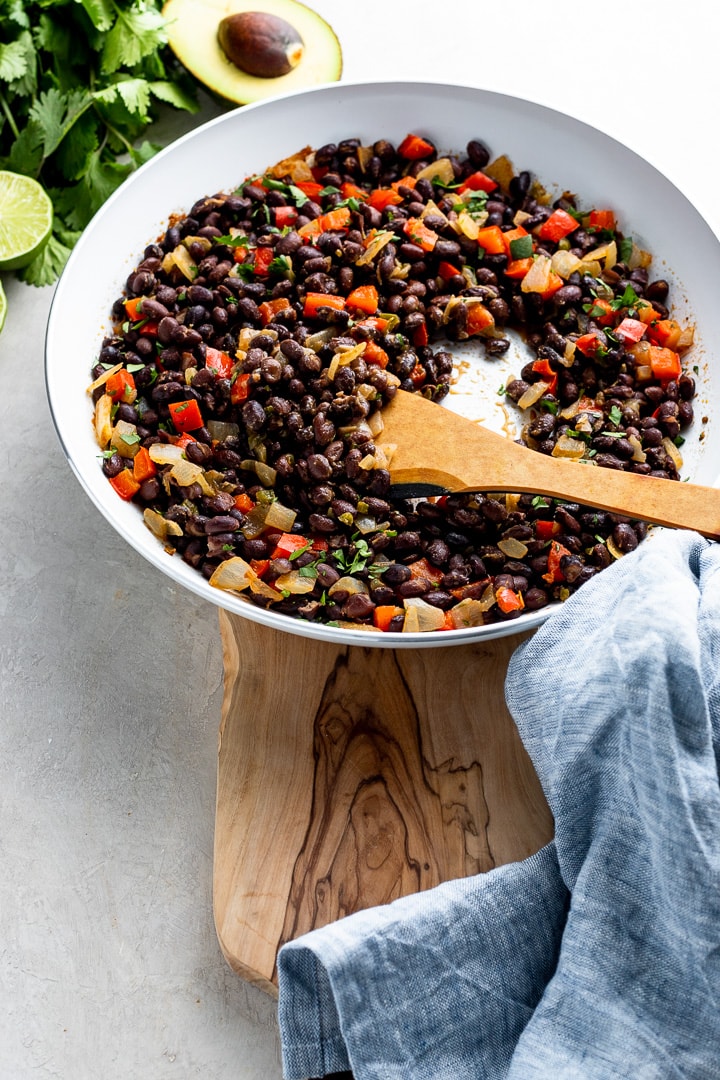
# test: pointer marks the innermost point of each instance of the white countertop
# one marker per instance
(111, 679)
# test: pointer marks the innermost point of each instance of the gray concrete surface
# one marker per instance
(110, 691)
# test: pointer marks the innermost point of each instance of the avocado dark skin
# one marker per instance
(260, 44)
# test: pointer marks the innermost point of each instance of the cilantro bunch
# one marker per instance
(80, 81)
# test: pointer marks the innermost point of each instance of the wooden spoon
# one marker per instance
(431, 448)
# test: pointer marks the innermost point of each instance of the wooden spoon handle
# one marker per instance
(459, 455)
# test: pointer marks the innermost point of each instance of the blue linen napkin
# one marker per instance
(598, 958)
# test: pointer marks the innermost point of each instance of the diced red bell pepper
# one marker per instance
(120, 386)
(144, 467)
(542, 367)
(404, 181)
(133, 308)
(311, 188)
(260, 566)
(545, 530)
(320, 544)
(422, 570)
(364, 298)
(378, 324)
(554, 284)
(125, 484)
(491, 239)
(509, 600)
(588, 344)
(555, 554)
(420, 336)
(478, 181)
(646, 313)
(518, 268)
(665, 363)
(418, 375)
(478, 319)
(665, 332)
(270, 308)
(332, 221)
(630, 330)
(447, 271)
(381, 198)
(353, 191)
(414, 148)
(602, 312)
(186, 415)
(285, 216)
(557, 226)
(244, 503)
(315, 301)
(602, 219)
(287, 544)
(184, 440)
(261, 263)
(240, 388)
(420, 234)
(376, 355)
(448, 622)
(384, 614)
(219, 362)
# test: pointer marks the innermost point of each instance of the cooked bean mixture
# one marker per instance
(238, 401)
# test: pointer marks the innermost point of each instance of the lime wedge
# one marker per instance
(3, 306)
(25, 220)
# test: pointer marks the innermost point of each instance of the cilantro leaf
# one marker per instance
(137, 32)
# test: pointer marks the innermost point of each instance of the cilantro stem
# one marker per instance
(9, 116)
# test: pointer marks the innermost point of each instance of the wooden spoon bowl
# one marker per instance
(432, 449)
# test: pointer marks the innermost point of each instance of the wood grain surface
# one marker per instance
(351, 776)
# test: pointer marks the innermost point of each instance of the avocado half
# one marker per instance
(192, 29)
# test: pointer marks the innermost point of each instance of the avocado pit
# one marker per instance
(260, 43)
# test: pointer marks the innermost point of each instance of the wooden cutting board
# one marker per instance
(351, 776)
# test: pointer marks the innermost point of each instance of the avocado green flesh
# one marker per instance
(192, 34)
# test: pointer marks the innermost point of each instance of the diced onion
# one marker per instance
(265, 473)
(348, 584)
(564, 264)
(378, 242)
(185, 473)
(606, 252)
(295, 582)
(425, 617)
(124, 439)
(638, 452)
(469, 612)
(537, 279)
(467, 225)
(567, 447)
(102, 379)
(613, 548)
(160, 526)
(166, 453)
(180, 259)
(103, 420)
(441, 170)
(236, 575)
(221, 429)
(513, 548)
(502, 170)
(533, 393)
(278, 516)
(376, 423)
(672, 451)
